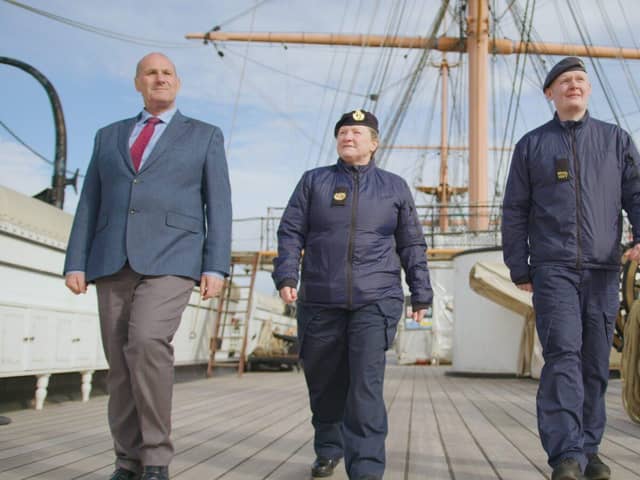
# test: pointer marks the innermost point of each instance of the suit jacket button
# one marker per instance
(135, 180)
(132, 211)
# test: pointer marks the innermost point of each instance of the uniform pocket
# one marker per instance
(609, 326)
(391, 311)
(304, 316)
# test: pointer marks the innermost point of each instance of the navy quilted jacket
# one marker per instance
(357, 227)
(567, 186)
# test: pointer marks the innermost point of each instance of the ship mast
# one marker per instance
(443, 191)
(477, 45)
(443, 196)
(478, 50)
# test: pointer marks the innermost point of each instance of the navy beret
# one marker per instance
(567, 64)
(357, 117)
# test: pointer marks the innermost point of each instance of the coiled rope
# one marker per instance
(631, 363)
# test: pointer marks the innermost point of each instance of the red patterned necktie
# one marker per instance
(137, 149)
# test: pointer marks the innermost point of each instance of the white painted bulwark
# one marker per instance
(44, 328)
(486, 336)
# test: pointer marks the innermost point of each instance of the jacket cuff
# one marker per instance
(287, 282)
(419, 306)
(521, 280)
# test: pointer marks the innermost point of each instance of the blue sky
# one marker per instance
(277, 124)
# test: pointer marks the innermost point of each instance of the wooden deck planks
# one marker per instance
(258, 427)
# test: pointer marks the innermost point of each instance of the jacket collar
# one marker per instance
(572, 124)
(361, 169)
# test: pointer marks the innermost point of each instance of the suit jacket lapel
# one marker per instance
(126, 127)
(177, 127)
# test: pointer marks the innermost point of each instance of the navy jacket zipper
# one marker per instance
(576, 165)
(354, 211)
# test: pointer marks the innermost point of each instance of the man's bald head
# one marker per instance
(151, 55)
(157, 81)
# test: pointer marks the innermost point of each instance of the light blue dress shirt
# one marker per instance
(165, 118)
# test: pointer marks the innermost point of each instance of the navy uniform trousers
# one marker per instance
(343, 356)
(575, 318)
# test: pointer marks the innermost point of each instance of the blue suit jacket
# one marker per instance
(173, 217)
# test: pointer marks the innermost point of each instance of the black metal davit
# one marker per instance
(55, 194)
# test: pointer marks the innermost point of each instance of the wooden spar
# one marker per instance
(501, 46)
(478, 35)
(443, 214)
(437, 147)
(478, 46)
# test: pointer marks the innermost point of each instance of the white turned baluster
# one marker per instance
(41, 390)
(86, 385)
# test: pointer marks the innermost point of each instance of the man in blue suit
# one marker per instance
(153, 219)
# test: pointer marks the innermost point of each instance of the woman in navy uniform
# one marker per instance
(357, 226)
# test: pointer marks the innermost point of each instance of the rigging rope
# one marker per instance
(515, 94)
(380, 73)
(101, 31)
(370, 87)
(401, 111)
(362, 48)
(324, 96)
(291, 75)
(272, 103)
(330, 119)
(494, 95)
(625, 65)
(237, 99)
(422, 158)
(30, 148)
(240, 15)
(609, 94)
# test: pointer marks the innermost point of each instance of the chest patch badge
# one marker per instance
(339, 197)
(562, 169)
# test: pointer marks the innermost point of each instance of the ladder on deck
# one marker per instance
(235, 303)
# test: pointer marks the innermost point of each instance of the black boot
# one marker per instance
(155, 473)
(124, 474)
(323, 467)
(596, 468)
(567, 469)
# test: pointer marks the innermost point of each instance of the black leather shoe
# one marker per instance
(4, 420)
(124, 474)
(596, 468)
(567, 469)
(323, 467)
(155, 473)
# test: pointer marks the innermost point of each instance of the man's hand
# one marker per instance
(210, 286)
(633, 253)
(527, 287)
(76, 282)
(418, 315)
(288, 294)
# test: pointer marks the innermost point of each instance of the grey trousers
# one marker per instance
(139, 316)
